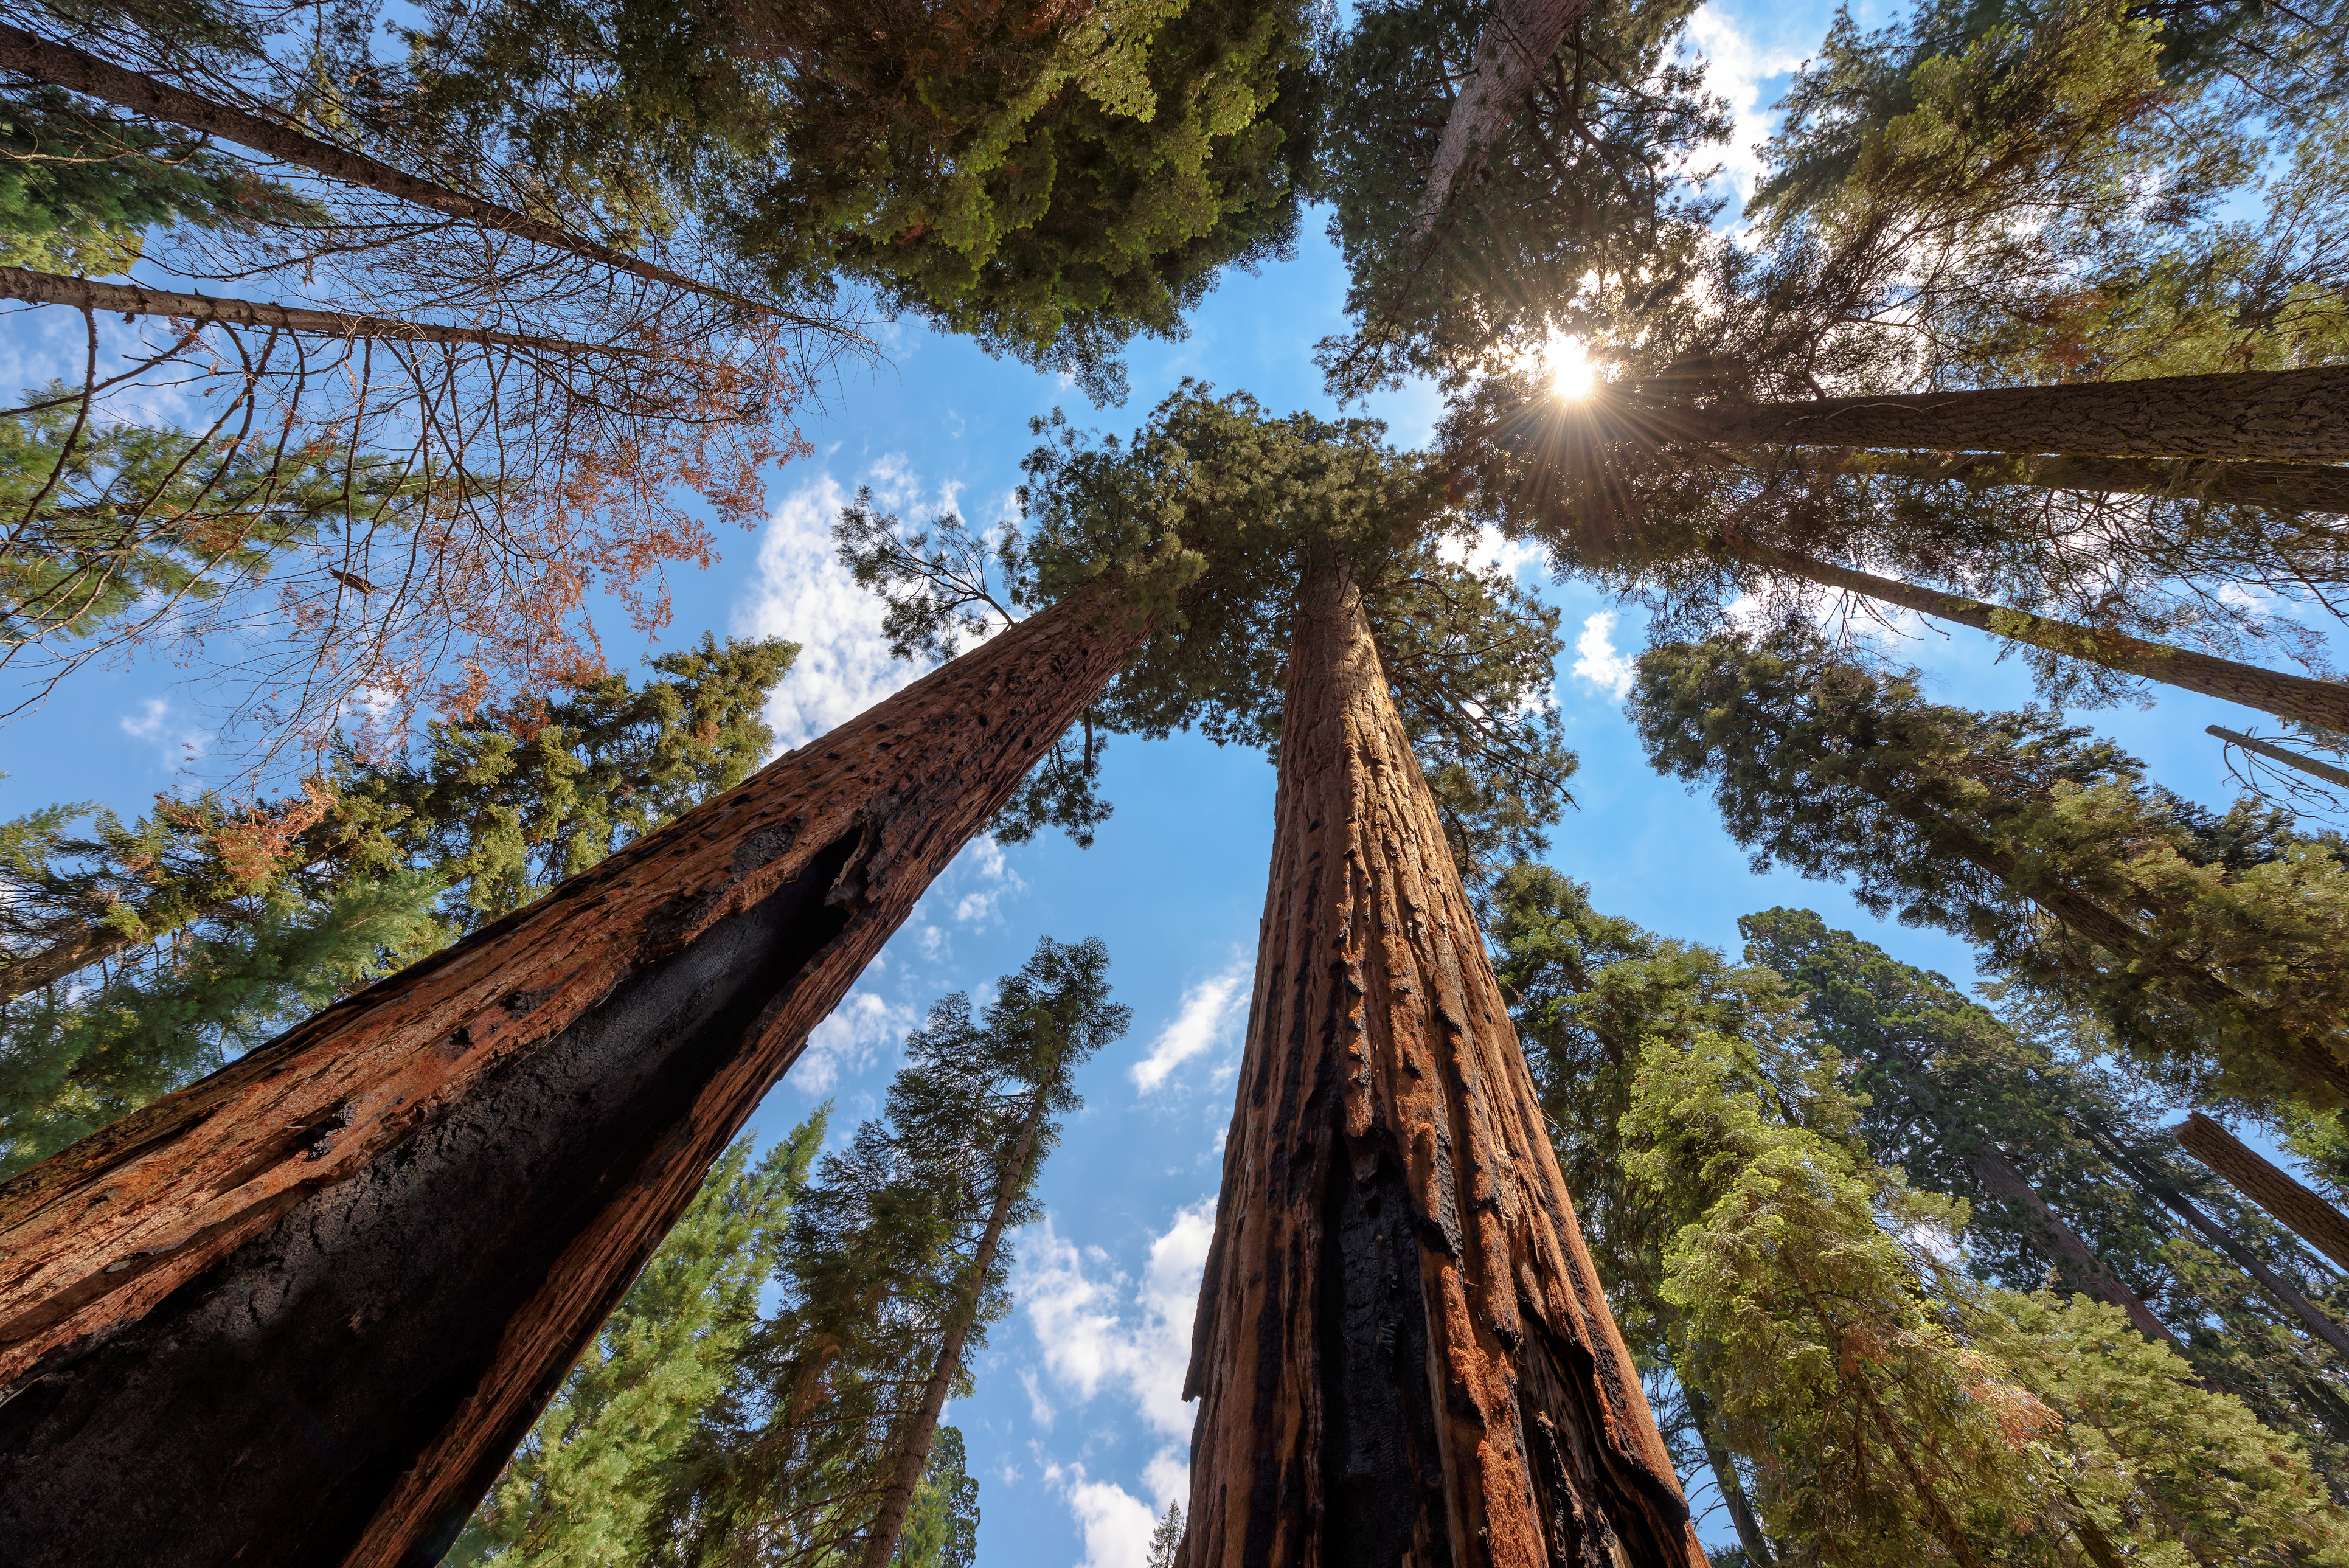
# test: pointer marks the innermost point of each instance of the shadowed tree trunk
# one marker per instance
(301, 1311)
(2281, 486)
(2324, 704)
(2300, 1211)
(2284, 416)
(2273, 753)
(1402, 1353)
(1725, 1477)
(2166, 1192)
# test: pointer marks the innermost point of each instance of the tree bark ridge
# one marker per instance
(1401, 1353)
(351, 1267)
(2301, 1211)
(2277, 416)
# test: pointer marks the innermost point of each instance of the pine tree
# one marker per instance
(892, 1267)
(580, 1491)
(204, 928)
(1166, 1539)
(2207, 941)
(2065, 1174)
(1893, 1413)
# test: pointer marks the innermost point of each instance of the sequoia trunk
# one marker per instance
(2300, 1211)
(1402, 1353)
(300, 1312)
(2062, 1246)
(2324, 704)
(2284, 416)
(2281, 486)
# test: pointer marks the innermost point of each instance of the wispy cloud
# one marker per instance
(862, 1027)
(1211, 1014)
(1737, 64)
(179, 740)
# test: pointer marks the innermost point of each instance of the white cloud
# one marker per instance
(180, 741)
(1168, 1477)
(1736, 65)
(1596, 659)
(804, 593)
(1211, 1014)
(859, 1030)
(981, 861)
(1488, 549)
(1092, 1332)
(1115, 1522)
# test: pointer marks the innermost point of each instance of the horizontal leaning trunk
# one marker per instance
(60, 65)
(1401, 1353)
(136, 299)
(2284, 487)
(2301, 1211)
(2324, 704)
(300, 1312)
(2285, 416)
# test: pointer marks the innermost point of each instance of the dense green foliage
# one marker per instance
(2211, 944)
(1211, 513)
(1051, 182)
(193, 934)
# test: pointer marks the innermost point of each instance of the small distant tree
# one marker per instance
(1166, 1539)
(892, 1267)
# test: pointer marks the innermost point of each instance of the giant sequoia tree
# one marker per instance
(1402, 1351)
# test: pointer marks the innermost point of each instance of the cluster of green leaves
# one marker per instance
(142, 954)
(2211, 944)
(1817, 1308)
(99, 524)
(1052, 182)
(701, 1430)
(1210, 517)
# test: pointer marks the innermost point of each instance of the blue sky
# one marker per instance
(1077, 1430)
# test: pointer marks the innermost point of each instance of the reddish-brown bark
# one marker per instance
(2324, 704)
(2280, 416)
(2301, 1211)
(299, 1312)
(2281, 486)
(1402, 1354)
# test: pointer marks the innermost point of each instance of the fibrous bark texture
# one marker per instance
(2324, 704)
(1519, 40)
(1402, 1355)
(2285, 416)
(2301, 1212)
(2282, 487)
(300, 1312)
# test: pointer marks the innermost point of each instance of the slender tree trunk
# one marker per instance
(2301, 1211)
(2308, 765)
(1519, 40)
(299, 1312)
(54, 962)
(2280, 416)
(2064, 1246)
(1402, 1353)
(914, 1456)
(136, 299)
(2279, 487)
(1724, 1475)
(2167, 1194)
(60, 65)
(2179, 979)
(2324, 704)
